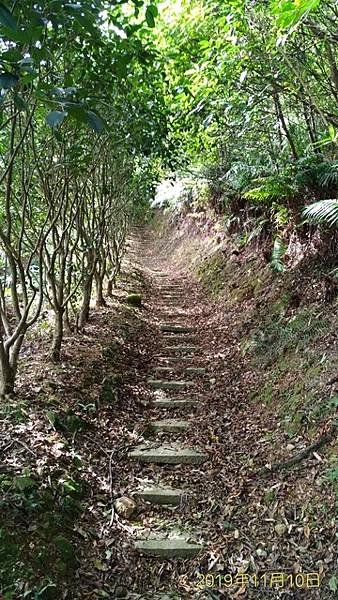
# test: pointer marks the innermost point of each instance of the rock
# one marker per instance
(124, 507)
(280, 528)
(134, 299)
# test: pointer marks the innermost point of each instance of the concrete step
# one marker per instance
(168, 548)
(195, 370)
(163, 384)
(168, 403)
(167, 455)
(185, 339)
(175, 328)
(180, 349)
(169, 426)
(176, 359)
(162, 495)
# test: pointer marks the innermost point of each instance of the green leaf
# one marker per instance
(8, 80)
(20, 102)
(333, 583)
(55, 118)
(151, 13)
(278, 253)
(13, 55)
(323, 211)
(7, 19)
(94, 121)
(24, 483)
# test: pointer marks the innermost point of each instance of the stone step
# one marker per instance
(164, 369)
(176, 315)
(168, 403)
(186, 339)
(162, 495)
(176, 359)
(180, 349)
(195, 370)
(172, 296)
(167, 455)
(168, 548)
(163, 384)
(169, 426)
(175, 328)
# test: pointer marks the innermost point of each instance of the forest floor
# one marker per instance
(66, 438)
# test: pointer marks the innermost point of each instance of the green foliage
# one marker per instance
(269, 189)
(286, 334)
(331, 475)
(278, 253)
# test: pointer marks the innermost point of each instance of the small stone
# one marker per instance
(212, 381)
(280, 528)
(134, 299)
(125, 507)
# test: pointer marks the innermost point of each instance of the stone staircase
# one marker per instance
(173, 374)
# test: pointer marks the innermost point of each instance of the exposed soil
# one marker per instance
(251, 524)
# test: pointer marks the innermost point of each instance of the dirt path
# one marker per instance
(208, 525)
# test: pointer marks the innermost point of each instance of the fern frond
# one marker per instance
(278, 253)
(323, 211)
(270, 188)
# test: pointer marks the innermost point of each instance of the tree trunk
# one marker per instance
(87, 294)
(8, 373)
(281, 119)
(100, 301)
(67, 327)
(57, 335)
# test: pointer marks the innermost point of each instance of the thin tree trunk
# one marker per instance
(8, 374)
(281, 118)
(66, 321)
(100, 301)
(57, 335)
(87, 294)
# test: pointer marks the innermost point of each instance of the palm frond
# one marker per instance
(329, 177)
(278, 253)
(323, 211)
